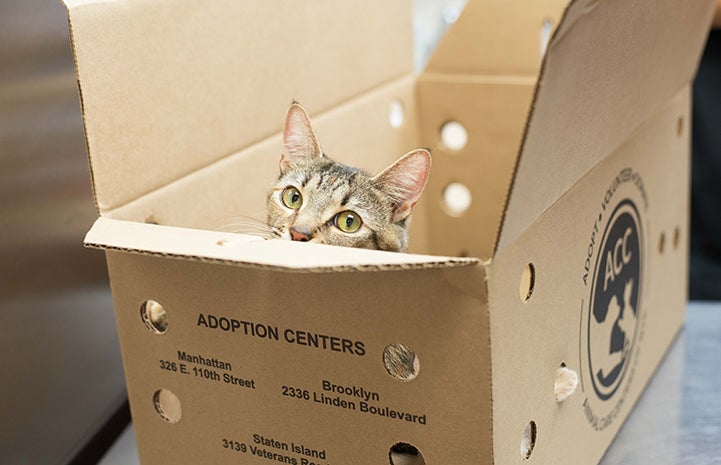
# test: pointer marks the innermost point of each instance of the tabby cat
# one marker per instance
(319, 200)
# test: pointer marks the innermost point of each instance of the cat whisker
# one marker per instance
(253, 222)
(256, 234)
(245, 229)
(244, 221)
(246, 217)
(262, 230)
(238, 229)
(241, 230)
(245, 225)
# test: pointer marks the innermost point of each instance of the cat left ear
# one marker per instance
(404, 181)
(300, 143)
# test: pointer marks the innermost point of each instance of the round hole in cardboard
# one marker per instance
(401, 362)
(456, 199)
(154, 317)
(403, 453)
(454, 136)
(527, 283)
(167, 405)
(396, 114)
(661, 242)
(676, 237)
(546, 29)
(528, 440)
(451, 13)
(565, 383)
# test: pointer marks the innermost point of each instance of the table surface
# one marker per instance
(677, 421)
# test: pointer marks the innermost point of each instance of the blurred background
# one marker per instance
(62, 396)
(62, 380)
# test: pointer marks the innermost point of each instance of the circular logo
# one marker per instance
(615, 300)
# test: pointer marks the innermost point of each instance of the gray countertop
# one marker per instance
(677, 421)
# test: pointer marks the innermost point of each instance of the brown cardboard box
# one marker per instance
(274, 351)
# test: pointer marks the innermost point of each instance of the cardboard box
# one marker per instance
(240, 350)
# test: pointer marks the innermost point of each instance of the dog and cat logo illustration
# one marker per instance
(612, 314)
(619, 323)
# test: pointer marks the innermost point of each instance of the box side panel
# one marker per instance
(497, 37)
(171, 86)
(609, 66)
(223, 195)
(493, 112)
(252, 251)
(253, 354)
(608, 296)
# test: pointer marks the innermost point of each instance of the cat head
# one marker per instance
(316, 199)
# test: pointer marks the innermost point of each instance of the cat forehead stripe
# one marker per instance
(382, 203)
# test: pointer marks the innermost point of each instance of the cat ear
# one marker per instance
(404, 181)
(299, 141)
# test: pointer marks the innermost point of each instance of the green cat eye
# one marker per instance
(291, 198)
(348, 221)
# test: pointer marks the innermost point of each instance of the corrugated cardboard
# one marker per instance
(182, 85)
(577, 167)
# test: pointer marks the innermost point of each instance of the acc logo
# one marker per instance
(611, 316)
(614, 302)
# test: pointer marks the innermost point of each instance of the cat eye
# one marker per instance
(348, 221)
(291, 198)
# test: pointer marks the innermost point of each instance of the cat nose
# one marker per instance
(301, 236)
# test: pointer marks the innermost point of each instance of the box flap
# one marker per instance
(239, 249)
(169, 86)
(608, 67)
(473, 44)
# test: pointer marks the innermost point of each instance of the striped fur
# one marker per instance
(384, 202)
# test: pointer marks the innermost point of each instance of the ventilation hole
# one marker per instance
(528, 440)
(528, 281)
(454, 136)
(679, 126)
(401, 362)
(661, 242)
(451, 13)
(565, 384)
(396, 114)
(167, 405)
(676, 237)
(456, 199)
(546, 29)
(403, 453)
(154, 316)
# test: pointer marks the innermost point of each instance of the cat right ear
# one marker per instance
(404, 181)
(300, 144)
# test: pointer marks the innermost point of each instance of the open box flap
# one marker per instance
(237, 249)
(496, 37)
(169, 86)
(609, 66)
